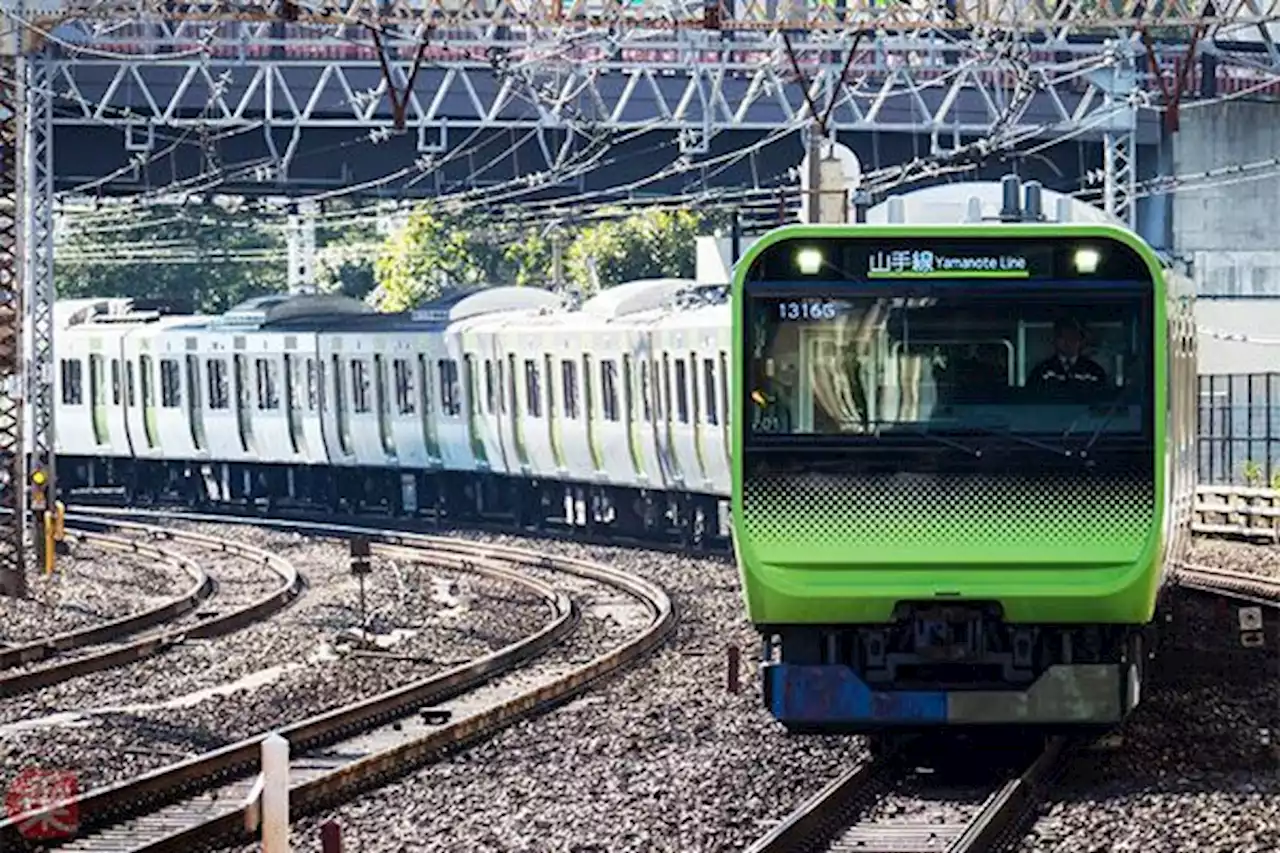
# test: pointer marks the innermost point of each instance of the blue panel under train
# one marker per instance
(834, 696)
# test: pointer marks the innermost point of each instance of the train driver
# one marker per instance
(1068, 369)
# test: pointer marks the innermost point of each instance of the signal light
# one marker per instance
(38, 477)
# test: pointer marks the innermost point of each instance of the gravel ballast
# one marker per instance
(661, 757)
(1193, 772)
(1236, 556)
(90, 586)
(284, 669)
(664, 758)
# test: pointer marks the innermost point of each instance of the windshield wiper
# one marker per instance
(1022, 439)
(1114, 409)
(923, 432)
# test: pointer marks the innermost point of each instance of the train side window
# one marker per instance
(724, 386)
(549, 364)
(144, 375)
(424, 392)
(646, 399)
(72, 382)
(130, 386)
(532, 389)
(359, 385)
(218, 396)
(450, 396)
(292, 386)
(472, 381)
(569, 370)
(709, 391)
(313, 384)
(609, 388)
(170, 384)
(268, 385)
(500, 391)
(666, 385)
(96, 377)
(115, 381)
(694, 394)
(488, 386)
(511, 384)
(405, 404)
(682, 391)
(628, 398)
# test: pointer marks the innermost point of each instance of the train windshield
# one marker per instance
(863, 362)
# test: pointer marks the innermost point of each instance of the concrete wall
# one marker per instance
(1232, 231)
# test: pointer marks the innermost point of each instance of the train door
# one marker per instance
(195, 403)
(98, 399)
(293, 404)
(648, 423)
(383, 402)
(554, 416)
(427, 398)
(715, 457)
(513, 431)
(244, 416)
(341, 409)
(147, 385)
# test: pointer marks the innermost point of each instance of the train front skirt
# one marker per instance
(833, 696)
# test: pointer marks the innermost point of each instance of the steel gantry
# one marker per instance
(28, 476)
(1005, 71)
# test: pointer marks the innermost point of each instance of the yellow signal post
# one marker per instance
(50, 546)
(44, 520)
(60, 528)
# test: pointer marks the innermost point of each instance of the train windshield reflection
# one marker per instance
(991, 362)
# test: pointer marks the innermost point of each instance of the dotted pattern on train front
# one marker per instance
(949, 511)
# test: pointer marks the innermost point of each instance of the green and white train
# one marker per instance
(963, 462)
(922, 538)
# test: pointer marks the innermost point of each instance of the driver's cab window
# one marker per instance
(1108, 343)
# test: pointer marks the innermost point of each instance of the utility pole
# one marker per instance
(815, 172)
(557, 257)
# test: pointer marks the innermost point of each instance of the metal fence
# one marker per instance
(1239, 427)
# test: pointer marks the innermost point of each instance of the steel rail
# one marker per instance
(157, 642)
(1253, 587)
(55, 644)
(191, 828)
(832, 811)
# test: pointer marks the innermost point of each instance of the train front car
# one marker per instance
(948, 494)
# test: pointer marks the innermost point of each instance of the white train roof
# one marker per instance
(635, 297)
(491, 300)
(949, 204)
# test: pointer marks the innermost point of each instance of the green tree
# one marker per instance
(425, 259)
(652, 244)
(197, 257)
(345, 256)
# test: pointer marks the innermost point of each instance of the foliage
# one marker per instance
(101, 257)
(345, 256)
(1252, 473)
(430, 256)
(646, 245)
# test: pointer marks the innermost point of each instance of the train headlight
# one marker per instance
(809, 261)
(1086, 261)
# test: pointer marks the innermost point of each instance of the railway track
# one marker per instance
(977, 815)
(201, 801)
(127, 640)
(849, 814)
